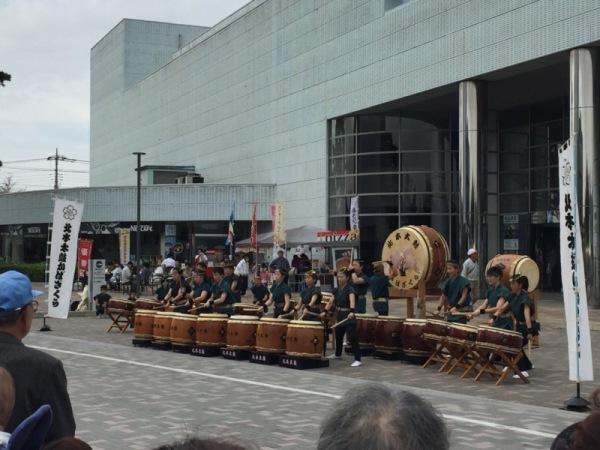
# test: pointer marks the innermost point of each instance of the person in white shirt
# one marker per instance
(470, 270)
(127, 271)
(242, 270)
(200, 257)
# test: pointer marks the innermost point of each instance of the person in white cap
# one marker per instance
(470, 270)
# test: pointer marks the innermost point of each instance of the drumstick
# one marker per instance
(341, 322)
(529, 350)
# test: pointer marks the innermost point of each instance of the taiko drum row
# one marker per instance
(238, 332)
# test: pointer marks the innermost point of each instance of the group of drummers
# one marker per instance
(506, 309)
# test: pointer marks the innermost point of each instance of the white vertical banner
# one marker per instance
(63, 256)
(354, 222)
(573, 271)
(124, 245)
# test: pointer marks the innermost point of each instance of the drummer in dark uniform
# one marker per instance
(523, 309)
(496, 301)
(311, 295)
(281, 294)
(456, 294)
(379, 284)
(360, 284)
(178, 289)
(201, 290)
(260, 291)
(233, 282)
(344, 298)
(222, 301)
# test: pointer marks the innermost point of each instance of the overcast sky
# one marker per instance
(45, 46)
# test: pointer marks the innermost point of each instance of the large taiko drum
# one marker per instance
(493, 339)
(436, 330)
(211, 330)
(147, 303)
(241, 332)
(305, 339)
(271, 334)
(247, 309)
(162, 327)
(183, 329)
(143, 328)
(413, 343)
(460, 334)
(388, 334)
(416, 254)
(512, 265)
(121, 305)
(365, 329)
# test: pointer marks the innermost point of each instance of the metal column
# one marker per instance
(470, 154)
(584, 134)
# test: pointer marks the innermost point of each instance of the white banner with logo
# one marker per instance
(124, 245)
(63, 256)
(279, 235)
(354, 221)
(573, 271)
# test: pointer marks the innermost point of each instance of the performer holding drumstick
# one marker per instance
(281, 294)
(456, 294)
(222, 300)
(344, 298)
(496, 301)
(311, 296)
(201, 291)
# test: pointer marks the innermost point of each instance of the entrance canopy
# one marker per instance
(304, 235)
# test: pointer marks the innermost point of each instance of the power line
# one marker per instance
(41, 169)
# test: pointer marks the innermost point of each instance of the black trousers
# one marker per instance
(349, 329)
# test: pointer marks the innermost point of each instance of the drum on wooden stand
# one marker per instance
(162, 327)
(121, 305)
(461, 333)
(388, 334)
(494, 339)
(305, 339)
(211, 330)
(365, 330)
(271, 335)
(436, 330)
(183, 331)
(416, 254)
(147, 303)
(414, 346)
(247, 309)
(512, 265)
(143, 328)
(241, 332)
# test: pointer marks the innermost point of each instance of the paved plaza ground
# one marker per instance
(128, 397)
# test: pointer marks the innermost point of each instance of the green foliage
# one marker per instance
(35, 271)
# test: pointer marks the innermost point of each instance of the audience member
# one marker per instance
(39, 378)
(207, 444)
(373, 416)
(7, 402)
(101, 300)
(67, 443)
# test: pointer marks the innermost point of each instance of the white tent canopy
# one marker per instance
(304, 235)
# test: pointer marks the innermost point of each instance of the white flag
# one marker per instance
(573, 271)
(63, 256)
(354, 225)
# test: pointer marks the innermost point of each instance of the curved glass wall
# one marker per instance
(403, 167)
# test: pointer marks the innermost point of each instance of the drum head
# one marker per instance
(240, 317)
(274, 320)
(213, 316)
(529, 268)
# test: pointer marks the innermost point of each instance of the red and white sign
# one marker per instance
(84, 254)
(337, 236)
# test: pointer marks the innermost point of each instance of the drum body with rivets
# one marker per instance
(305, 339)
(512, 265)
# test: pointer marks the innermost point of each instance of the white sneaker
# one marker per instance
(505, 369)
(334, 356)
(524, 373)
(356, 364)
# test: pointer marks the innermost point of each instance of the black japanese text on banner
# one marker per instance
(354, 220)
(573, 272)
(63, 256)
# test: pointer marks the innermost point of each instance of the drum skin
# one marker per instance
(183, 329)
(460, 333)
(271, 335)
(146, 303)
(512, 265)
(241, 332)
(436, 330)
(417, 254)
(365, 329)
(305, 339)
(162, 326)
(388, 334)
(413, 343)
(491, 338)
(143, 328)
(121, 305)
(211, 330)
(246, 309)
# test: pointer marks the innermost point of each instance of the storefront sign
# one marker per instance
(510, 218)
(511, 244)
(84, 253)
(97, 279)
(63, 256)
(124, 245)
(337, 236)
(113, 228)
(573, 271)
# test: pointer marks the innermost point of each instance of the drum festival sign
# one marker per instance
(573, 271)
(63, 256)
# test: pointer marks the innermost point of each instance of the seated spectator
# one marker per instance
(584, 435)
(373, 416)
(207, 444)
(7, 402)
(67, 444)
(84, 304)
(101, 300)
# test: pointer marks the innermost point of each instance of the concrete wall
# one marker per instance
(248, 101)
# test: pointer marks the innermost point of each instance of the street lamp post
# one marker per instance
(138, 242)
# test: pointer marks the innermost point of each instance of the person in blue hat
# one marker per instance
(39, 378)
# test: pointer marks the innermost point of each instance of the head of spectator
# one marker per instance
(280, 254)
(587, 433)
(17, 304)
(7, 397)
(373, 416)
(595, 399)
(207, 444)
(218, 273)
(67, 443)
(473, 254)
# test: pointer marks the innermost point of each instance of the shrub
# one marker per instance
(35, 271)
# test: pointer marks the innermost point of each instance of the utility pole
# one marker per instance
(56, 157)
(138, 235)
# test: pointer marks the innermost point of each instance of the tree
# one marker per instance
(8, 185)
(4, 77)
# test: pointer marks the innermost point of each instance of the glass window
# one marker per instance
(553, 158)
(368, 123)
(341, 185)
(423, 182)
(342, 146)
(539, 201)
(539, 156)
(377, 183)
(383, 162)
(373, 232)
(539, 178)
(379, 204)
(425, 161)
(514, 203)
(342, 166)
(342, 125)
(339, 223)
(339, 206)
(424, 204)
(431, 139)
(377, 142)
(514, 182)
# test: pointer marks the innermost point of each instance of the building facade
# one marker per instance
(446, 113)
